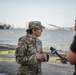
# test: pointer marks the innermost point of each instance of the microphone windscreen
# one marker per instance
(51, 48)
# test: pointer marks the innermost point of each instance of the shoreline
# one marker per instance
(4, 47)
(7, 47)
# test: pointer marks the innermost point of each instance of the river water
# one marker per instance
(61, 39)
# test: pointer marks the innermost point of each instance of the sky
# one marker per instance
(57, 12)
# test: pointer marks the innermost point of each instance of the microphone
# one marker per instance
(54, 51)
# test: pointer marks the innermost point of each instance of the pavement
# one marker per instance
(8, 66)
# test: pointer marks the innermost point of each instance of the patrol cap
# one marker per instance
(35, 25)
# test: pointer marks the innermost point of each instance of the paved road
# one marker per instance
(50, 68)
(10, 67)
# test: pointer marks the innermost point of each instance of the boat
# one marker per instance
(4, 26)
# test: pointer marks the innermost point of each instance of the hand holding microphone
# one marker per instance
(54, 51)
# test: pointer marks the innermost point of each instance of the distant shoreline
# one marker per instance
(7, 46)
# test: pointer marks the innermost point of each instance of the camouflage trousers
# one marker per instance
(28, 74)
(26, 70)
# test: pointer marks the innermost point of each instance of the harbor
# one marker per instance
(49, 27)
(4, 26)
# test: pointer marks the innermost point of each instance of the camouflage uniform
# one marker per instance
(25, 55)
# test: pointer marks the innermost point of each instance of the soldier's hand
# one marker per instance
(40, 56)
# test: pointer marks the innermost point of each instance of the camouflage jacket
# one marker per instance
(25, 55)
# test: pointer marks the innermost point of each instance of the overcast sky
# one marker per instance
(58, 12)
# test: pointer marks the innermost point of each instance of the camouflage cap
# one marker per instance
(35, 24)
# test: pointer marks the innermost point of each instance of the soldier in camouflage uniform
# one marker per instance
(29, 52)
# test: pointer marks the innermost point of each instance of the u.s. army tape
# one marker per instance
(57, 45)
(7, 52)
(7, 59)
(51, 59)
(54, 59)
(45, 48)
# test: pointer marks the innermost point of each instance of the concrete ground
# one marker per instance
(10, 67)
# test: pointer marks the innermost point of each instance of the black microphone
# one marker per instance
(54, 51)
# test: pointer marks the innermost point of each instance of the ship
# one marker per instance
(4, 26)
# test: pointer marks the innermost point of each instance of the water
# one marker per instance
(48, 37)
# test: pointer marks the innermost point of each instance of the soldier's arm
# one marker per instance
(21, 54)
